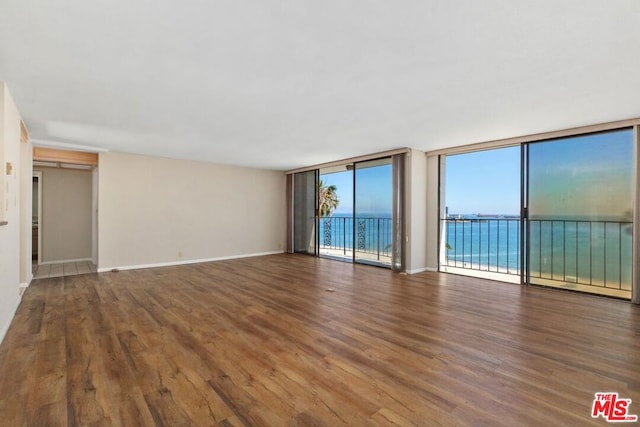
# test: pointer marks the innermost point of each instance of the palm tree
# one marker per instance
(328, 199)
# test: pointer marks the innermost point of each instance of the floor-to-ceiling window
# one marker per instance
(480, 228)
(580, 212)
(556, 212)
(373, 208)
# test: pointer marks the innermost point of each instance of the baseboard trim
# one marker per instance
(5, 328)
(65, 261)
(185, 262)
(422, 270)
(28, 282)
(23, 286)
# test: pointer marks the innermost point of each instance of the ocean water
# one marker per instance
(483, 244)
(373, 232)
(579, 251)
(596, 253)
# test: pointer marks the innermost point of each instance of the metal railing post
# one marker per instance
(344, 235)
(602, 246)
(378, 238)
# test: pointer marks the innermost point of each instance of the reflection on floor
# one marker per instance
(43, 271)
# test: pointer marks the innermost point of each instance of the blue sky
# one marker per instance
(485, 182)
(587, 176)
(374, 192)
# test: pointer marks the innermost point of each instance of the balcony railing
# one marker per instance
(595, 253)
(483, 244)
(373, 236)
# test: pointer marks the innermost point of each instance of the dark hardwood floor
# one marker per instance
(294, 340)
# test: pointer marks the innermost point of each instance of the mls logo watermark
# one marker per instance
(612, 408)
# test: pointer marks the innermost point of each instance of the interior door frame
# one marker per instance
(38, 174)
(95, 215)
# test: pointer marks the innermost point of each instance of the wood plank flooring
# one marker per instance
(295, 340)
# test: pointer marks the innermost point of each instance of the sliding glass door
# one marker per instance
(575, 225)
(579, 201)
(352, 212)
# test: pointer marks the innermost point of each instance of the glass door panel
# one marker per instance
(335, 212)
(480, 223)
(373, 207)
(580, 213)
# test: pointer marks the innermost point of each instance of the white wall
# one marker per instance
(416, 205)
(66, 214)
(10, 244)
(434, 211)
(155, 211)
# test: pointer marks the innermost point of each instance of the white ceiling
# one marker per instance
(284, 84)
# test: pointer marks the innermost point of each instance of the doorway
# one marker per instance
(64, 215)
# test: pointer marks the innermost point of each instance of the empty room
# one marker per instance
(319, 213)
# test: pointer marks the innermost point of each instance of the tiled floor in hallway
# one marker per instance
(42, 271)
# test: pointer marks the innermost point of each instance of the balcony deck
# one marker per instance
(347, 254)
